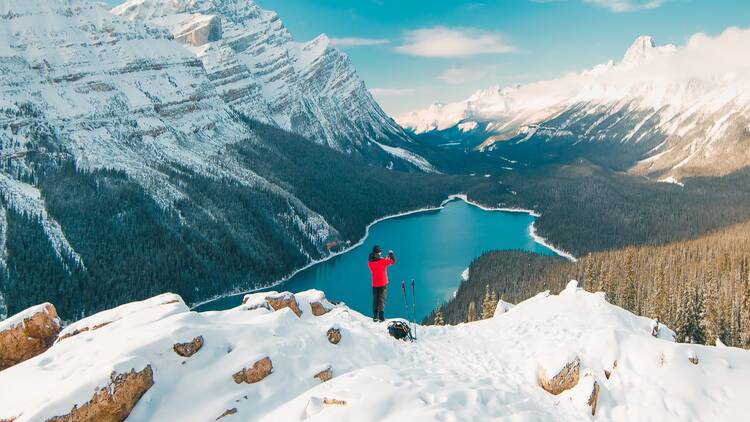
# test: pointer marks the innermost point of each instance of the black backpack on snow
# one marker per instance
(399, 330)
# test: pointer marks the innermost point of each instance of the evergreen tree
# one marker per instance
(711, 318)
(493, 301)
(694, 330)
(630, 294)
(472, 313)
(745, 318)
(438, 316)
(487, 304)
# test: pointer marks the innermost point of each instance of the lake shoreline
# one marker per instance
(459, 196)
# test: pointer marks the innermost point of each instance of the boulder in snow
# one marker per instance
(27, 334)
(228, 412)
(594, 398)
(260, 369)
(276, 301)
(114, 402)
(565, 379)
(692, 357)
(324, 375)
(318, 308)
(337, 402)
(334, 335)
(190, 348)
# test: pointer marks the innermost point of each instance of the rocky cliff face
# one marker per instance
(309, 87)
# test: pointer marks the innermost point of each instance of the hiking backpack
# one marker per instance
(399, 330)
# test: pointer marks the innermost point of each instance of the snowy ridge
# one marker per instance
(692, 102)
(463, 372)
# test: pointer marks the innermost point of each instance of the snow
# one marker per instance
(409, 156)
(17, 319)
(465, 274)
(485, 370)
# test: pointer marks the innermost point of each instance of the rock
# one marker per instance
(693, 358)
(318, 309)
(114, 402)
(83, 330)
(28, 334)
(594, 398)
(277, 301)
(257, 372)
(228, 412)
(566, 379)
(608, 373)
(198, 30)
(190, 348)
(334, 402)
(334, 335)
(324, 375)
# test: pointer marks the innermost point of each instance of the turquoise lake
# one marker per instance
(433, 247)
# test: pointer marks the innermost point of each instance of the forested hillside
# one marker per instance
(699, 287)
(224, 235)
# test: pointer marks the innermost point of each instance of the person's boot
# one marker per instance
(376, 316)
(381, 316)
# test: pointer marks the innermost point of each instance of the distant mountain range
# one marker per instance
(172, 100)
(663, 111)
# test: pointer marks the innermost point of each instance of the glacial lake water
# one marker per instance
(432, 247)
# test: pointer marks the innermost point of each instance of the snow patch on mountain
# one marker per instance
(695, 98)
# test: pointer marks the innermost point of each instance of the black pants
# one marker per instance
(378, 301)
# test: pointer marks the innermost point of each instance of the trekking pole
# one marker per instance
(414, 306)
(406, 302)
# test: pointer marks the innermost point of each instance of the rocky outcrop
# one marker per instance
(318, 309)
(190, 348)
(83, 330)
(199, 30)
(260, 369)
(566, 379)
(114, 402)
(594, 398)
(334, 335)
(228, 412)
(280, 301)
(608, 373)
(337, 402)
(324, 375)
(28, 334)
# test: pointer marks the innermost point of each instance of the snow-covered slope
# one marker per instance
(686, 108)
(486, 370)
(251, 58)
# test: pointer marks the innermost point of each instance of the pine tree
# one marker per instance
(438, 316)
(745, 317)
(711, 318)
(493, 301)
(630, 294)
(487, 304)
(661, 297)
(472, 315)
(588, 274)
(694, 330)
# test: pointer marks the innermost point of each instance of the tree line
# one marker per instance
(700, 288)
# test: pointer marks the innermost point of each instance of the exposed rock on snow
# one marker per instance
(190, 348)
(566, 379)
(486, 370)
(324, 375)
(318, 309)
(260, 369)
(114, 402)
(228, 412)
(27, 334)
(334, 335)
(275, 300)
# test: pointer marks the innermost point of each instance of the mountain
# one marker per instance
(256, 66)
(566, 357)
(662, 111)
(118, 138)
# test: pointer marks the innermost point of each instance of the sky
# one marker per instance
(411, 53)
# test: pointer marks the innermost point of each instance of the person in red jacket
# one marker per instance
(379, 270)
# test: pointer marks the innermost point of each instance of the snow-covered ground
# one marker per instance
(486, 370)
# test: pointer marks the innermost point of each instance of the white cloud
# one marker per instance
(357, 42)
(441, 41)
(626, 5)
(458, 75)
(391, 92)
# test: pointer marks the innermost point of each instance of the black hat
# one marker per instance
(376, 249)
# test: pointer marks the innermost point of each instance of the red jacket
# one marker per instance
(379, 272)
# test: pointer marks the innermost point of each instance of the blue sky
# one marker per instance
(415, 52)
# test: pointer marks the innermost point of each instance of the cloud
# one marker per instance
(357, 42)
(626, 5)
(456, 75)
(441, 41)
(391, 92)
